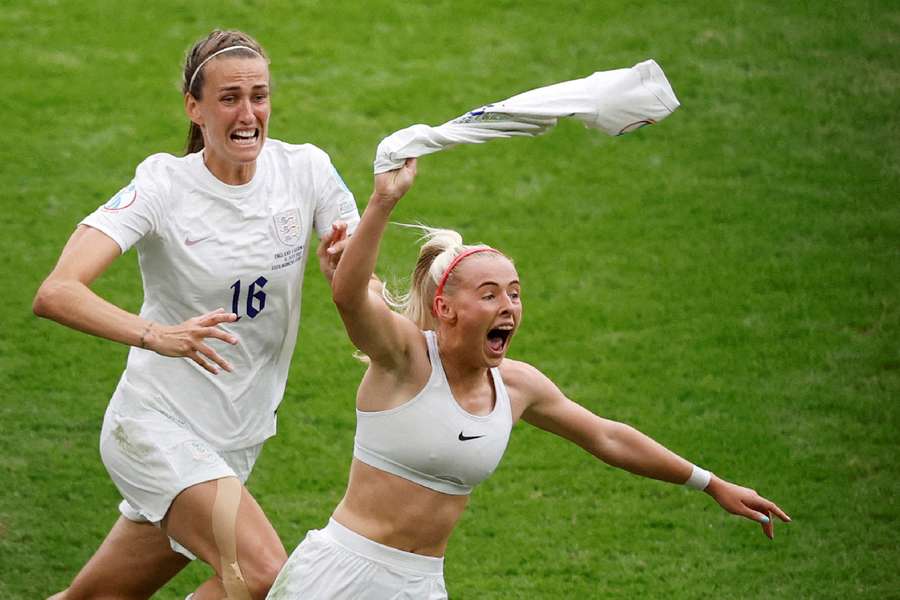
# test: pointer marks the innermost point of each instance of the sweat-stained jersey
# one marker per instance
(203, 245)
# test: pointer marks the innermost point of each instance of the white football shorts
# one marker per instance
(152, 458)
(336, 563)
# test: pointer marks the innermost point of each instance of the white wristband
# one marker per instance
(699, 478)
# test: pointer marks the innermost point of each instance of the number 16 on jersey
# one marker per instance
(256, 297)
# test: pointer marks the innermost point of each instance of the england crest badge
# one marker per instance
(287, 227)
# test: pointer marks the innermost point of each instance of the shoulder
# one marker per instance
(162, 162)
(525, 382)
(309, 153)
(150, 190)
(305, 163)
(159, 171)
(520, 372)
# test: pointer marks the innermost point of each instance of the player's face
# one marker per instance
(233, 115)
(486, 301)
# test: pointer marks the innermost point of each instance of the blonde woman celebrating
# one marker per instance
(434, 413)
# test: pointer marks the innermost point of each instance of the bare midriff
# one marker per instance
(398, 513)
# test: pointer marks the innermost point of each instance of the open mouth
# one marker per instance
(245, 137)
(498, 338)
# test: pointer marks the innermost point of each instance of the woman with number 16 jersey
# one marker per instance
(222, 236)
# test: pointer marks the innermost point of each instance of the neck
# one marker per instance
(230, 173)
(461, 373)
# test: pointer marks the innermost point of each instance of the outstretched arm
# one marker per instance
(372, 326)
(623, 446)
(65, 297)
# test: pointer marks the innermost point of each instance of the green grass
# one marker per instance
(727, 281)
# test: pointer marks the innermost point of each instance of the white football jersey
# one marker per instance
(203, 245)
(616, 102)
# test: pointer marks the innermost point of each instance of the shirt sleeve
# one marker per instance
(130, 214)
(335, 201)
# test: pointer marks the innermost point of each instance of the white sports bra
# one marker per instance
(431, 440)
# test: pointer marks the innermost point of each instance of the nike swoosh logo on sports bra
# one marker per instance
(466, 438)
(190, 242)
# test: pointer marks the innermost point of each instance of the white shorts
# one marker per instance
(336, 563)
(152, 458)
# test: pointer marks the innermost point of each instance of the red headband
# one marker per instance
(456, 260)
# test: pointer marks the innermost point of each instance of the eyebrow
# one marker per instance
(513, 282)
(233, 88)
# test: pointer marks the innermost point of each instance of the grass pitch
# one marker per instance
(726, 281)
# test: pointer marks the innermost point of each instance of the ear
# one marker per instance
(444, 311)
(192, 109)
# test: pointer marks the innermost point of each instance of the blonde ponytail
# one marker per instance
(439, 249)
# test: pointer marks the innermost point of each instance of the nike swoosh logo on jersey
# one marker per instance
(466, 438)
(190, 242)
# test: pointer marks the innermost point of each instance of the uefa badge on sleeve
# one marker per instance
(125, 198)
(287, 227)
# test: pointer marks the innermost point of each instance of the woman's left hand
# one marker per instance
(745, 502)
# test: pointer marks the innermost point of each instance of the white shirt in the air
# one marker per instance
(203, 245)
(616, 102)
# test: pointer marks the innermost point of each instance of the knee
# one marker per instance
(260, 573)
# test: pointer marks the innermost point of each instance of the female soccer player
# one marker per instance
(222, 236)
(434, 413)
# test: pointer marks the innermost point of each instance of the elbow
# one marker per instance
(339, 296)
(47, 300)
(345, 297)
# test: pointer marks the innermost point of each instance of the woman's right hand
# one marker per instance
(392, 185)
(188, 339)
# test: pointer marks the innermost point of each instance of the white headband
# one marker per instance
(215, 54)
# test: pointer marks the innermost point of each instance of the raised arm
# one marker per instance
(374, 328)
(625, 447)
(65, 297)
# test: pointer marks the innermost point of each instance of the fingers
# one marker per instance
(755, 515)
(778, 512)
(745, 502)
(198, 358)
(208, 328)
(208, 315)
(204, 352)
(215, 317)
(337, 248)
(211, 354)
(338, 232)
(760, 509)
(411, 166)
(393, 185)
(219, 334)
(764, 520)
(334, 242)
(769, 529)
